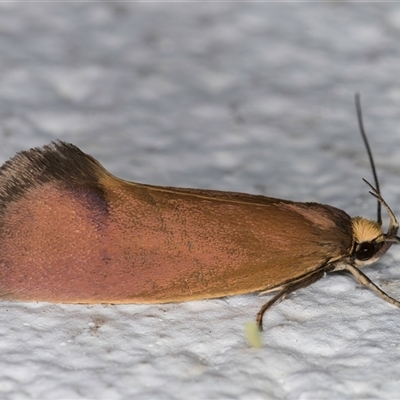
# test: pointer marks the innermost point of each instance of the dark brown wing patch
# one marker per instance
(58, 162)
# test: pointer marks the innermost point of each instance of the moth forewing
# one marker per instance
(72, 232)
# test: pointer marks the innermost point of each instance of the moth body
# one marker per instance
(71, 232)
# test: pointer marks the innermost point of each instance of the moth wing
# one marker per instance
(241, 243)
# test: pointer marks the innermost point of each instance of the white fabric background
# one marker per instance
(251, 97)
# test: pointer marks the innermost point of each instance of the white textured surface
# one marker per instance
(235, 96)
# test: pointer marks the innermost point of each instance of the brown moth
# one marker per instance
(72, 232)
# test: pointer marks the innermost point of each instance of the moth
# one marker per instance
(72, 232)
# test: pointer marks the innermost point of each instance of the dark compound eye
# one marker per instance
(365, 251)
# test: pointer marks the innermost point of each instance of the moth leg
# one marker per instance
(364, 280)
(274, 289)
(287, 289)
(280, 296)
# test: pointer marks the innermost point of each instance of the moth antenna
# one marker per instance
(372, 187)
(371, 159)
(393, 225)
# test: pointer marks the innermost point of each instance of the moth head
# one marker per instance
(369, 241)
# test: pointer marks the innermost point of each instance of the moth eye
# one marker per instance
(365, 251)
